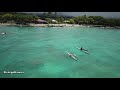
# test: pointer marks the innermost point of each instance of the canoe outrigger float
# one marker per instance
(85, 51)
(72, 56)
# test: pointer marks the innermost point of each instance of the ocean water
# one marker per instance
(40, 52)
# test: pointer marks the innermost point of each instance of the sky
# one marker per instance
(104, 14)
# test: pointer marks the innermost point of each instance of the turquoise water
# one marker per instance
(39, 52)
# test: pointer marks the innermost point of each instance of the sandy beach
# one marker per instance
(56, 25)
(7, 24)
(42, 25)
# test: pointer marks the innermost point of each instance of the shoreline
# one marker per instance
(57, 25)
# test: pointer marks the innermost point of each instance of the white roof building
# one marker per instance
(54, 21)
(66, 21)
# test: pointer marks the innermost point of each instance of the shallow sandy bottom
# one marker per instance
(40, 52)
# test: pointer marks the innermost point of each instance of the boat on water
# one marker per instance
(3, 33)
(72, 55)
(85, 51)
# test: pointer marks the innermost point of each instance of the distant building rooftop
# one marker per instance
(54, 20)
(41, 21)
(66, 21)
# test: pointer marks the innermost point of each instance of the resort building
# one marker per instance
(66, 21)
(54, 21)
(39, 21)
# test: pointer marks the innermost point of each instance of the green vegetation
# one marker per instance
(96, 20)
(52, 17)
(17, 18)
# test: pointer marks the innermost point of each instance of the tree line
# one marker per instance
(17, 18)
(30, 18)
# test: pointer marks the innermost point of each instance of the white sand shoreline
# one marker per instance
(42, 25)
(56, 25)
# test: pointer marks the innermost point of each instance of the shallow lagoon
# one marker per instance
(39, 52)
